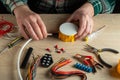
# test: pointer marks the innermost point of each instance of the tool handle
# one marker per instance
(103, 62)
(110, 50)
(15, 41)
(24, 63)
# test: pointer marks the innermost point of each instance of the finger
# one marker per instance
(87, 30)
(36, 28)
(82, 26)
(23, 32)
(42, 27)
(30, 30)
(91, 27)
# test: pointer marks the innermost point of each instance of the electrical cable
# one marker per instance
(19, 55)
(59, 74)
(7, 24)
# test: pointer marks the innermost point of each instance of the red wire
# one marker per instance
(63, 74)
(2, 24)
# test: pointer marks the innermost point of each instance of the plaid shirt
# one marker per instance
(61, 6)
(103, 6)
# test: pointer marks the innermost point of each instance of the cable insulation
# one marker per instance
(19, 55)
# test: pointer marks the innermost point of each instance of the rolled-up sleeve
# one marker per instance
(12, 4)
(102, 6)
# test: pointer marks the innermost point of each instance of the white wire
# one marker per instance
(19, 55)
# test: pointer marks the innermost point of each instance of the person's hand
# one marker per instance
(84, 17)
(30, 24)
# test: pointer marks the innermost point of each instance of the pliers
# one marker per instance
(89, 61)
(97, 51)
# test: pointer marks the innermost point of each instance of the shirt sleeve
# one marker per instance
(12, 4)
(102, 6)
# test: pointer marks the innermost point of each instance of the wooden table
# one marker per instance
(109, 37)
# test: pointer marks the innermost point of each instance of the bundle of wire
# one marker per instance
(32, 68)
(5, 27)
(59, 74)
(12, 34)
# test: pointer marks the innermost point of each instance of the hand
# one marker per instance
(84, 16)
(30, 24)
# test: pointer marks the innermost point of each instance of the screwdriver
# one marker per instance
(12, 43)
(18, 39)
(93, 34)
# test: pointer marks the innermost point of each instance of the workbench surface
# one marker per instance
(108, 38)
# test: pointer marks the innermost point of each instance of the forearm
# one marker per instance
(12, 4)
(102, 6)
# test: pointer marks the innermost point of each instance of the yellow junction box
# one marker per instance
(67, 32)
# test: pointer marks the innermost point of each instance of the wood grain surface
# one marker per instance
(108, 38)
